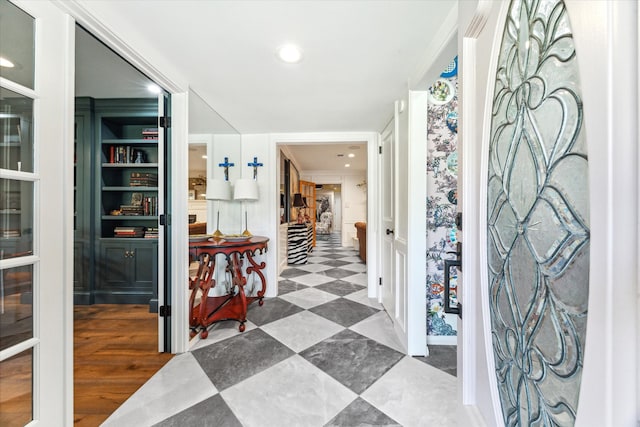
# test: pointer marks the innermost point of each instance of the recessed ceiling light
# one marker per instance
(346, 165)
(4, 62)
(153, 88)
(204, 156)
(351, 155)
(290, 53)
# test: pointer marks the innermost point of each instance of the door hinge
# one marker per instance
(164, 219)
(165, 310)
(165, 122)
(379, 281)
(380, 149)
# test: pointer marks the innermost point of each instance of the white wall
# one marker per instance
(337, 213)
(264, 214)
(231, 213)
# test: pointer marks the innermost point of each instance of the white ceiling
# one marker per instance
(329, 157)
(358, 56)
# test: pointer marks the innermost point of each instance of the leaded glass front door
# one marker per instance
(538, 218)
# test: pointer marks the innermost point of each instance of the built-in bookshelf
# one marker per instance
(129, 175)
(126, 201)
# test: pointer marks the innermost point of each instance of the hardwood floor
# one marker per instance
(115, 352)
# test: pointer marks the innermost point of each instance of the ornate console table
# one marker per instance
(233, 304)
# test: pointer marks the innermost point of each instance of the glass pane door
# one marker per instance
(18, 338)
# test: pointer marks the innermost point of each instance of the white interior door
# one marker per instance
(388, 219)
(164, 242)
(394, 230)
(580, 279)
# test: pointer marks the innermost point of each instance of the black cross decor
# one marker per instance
(255, 165)
(226, 166)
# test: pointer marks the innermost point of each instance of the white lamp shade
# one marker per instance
(218, 189)
(245, 189)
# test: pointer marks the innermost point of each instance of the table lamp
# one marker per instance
(218, 189)
(298, 203)
(245, 190)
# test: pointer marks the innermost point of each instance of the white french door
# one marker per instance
(590, 377)
(36, 214)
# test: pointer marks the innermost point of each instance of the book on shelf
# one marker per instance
(151, 233)
(150, 206)
(8, 233)
(128, 232)
(143, 179)
(128, 210)
(150, 133)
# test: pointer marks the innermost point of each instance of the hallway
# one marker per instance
(320, 354)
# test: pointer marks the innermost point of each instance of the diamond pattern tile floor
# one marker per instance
(320, 354)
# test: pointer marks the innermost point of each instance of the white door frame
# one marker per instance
(371, 139)
(606, 39)
(178, 90)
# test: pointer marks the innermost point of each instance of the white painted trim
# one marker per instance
(469, 205)
(606, 55)
(417, 224)
(18, 348)
(162, 244)
(482, 204)
(379, 239)
(179, 222)
(97, 28)
(17, 88)
(371, 139)
(18, 262)
(442, 339)
(22, 176)
(638, 225)
(69, 208)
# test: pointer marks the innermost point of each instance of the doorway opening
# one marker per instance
(339, 173)
(120, 193)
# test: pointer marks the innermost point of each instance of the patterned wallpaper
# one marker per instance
(442, 184)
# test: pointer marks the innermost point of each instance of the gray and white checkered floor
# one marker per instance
(320, 354)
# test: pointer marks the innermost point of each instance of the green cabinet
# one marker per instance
(127, 272)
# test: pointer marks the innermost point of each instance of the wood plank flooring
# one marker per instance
(115, 352)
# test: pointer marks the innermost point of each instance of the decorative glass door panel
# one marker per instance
(538, 218)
